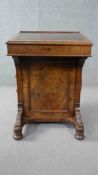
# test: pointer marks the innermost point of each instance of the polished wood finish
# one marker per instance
(49, 44)
(49, 74)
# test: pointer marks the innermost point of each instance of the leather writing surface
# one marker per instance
(52, 37)
(48, 36)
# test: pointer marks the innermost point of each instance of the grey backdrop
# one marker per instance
(80, 15)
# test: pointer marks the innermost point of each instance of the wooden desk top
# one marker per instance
(46, 43)
(47, 37)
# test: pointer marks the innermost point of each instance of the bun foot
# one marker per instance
(17, 137)
(79, 137)
(17, 133)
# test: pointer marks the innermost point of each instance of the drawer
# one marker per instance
(48, 50)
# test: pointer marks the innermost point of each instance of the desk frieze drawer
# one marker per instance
(48, 50)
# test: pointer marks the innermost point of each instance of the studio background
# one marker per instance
(64, 15)
(48, 148)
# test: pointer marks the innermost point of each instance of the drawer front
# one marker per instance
(48, 50)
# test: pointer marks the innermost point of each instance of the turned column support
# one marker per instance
(79, 125)
(18, 124)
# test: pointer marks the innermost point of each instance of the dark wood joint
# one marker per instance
(16, 60)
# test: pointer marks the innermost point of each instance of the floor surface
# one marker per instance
(48, 149)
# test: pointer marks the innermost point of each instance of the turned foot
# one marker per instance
(18, 125)
(17, 135)
(79, 126)
(79, 132)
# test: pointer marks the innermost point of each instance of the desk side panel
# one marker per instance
(48, 90)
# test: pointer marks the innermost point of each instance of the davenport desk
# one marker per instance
(49, 74)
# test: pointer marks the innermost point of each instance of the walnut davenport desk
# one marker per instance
(49, 74)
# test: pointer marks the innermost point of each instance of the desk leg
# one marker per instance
(18, 124)
(17, 135)
(79, 125)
